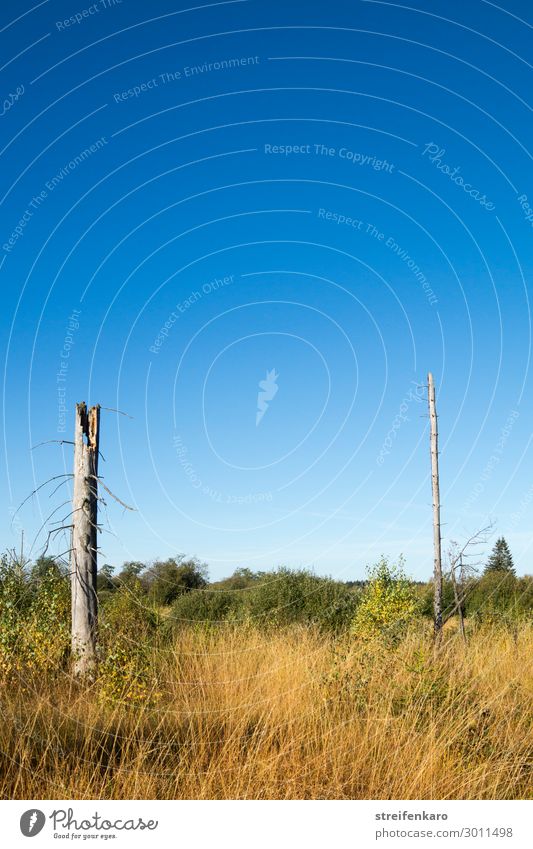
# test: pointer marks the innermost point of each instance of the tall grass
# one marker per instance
(287, 713)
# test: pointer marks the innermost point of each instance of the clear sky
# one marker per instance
(327, 199)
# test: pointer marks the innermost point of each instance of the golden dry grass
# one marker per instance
(287, 714)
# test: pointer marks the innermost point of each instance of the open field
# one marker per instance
(287, 713)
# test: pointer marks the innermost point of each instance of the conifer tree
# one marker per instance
(501, 559)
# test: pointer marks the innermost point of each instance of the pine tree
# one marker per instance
(501, 559)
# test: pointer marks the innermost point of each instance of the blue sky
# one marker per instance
(331, 199)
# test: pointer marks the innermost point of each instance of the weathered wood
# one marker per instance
(458, 598)
(437, 563)
(84, 539)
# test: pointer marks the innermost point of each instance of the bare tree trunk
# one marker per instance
(459, 599)
(84, 542)
(434, 447)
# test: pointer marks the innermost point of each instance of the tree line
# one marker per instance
(181, 587)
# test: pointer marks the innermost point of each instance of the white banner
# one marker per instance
(254, 824)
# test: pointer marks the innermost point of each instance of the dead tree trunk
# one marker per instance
(84, 542)
(459, 598)
(437, 570)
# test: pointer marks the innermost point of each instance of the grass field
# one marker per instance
(242, 713)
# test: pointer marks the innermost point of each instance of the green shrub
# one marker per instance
(34, 617)
(127, 636)
(284, 597)
(388, 603)
(168, 579)
(208, 606)
(271, 598)
(496, 597)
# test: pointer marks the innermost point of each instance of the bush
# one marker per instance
(208, 606)
(495, 597)
(240, 580)
(388, 603)
(167, 580)
(128, 627)
(525, 595)
(106, 583)
(34, 617)
(129, 573)
(282, 597)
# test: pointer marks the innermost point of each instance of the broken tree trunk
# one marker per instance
(434, 448)
(84, 542)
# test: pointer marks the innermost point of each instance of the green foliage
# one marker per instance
(134, 615)
(208, 606)
(14, 603)
(425, 594)
(240, 580)
(525, 595)
(221, 601)
(501, 559)
(105, 581)
(496, 596)
(129, 573)
(49, 617)
(128, 626)
(168, 579)
(271, 598)
(45, 568)
(34, 617)
(388, 604)
(284, 596)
